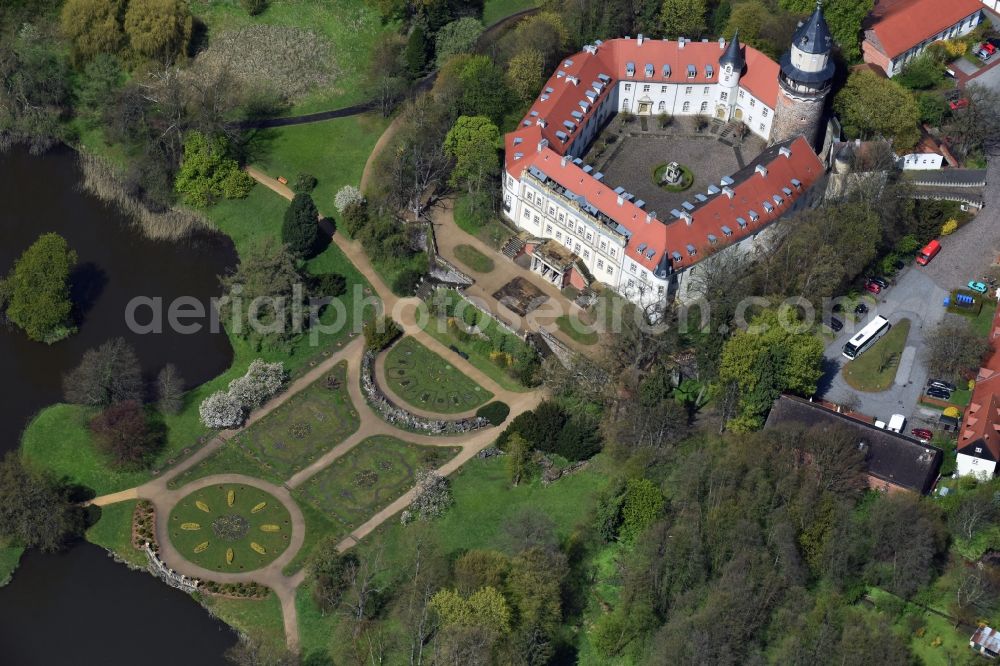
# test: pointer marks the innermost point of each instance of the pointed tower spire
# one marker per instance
(734, 54)
(814, 36)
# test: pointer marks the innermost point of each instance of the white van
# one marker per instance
(896, 423)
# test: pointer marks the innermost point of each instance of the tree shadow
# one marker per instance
(830, 369)
(86, 284)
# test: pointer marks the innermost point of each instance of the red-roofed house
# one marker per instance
(979, 437)
(896, 31)
(646, 255)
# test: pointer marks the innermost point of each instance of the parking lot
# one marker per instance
(916, 297)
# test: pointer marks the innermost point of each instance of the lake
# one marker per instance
(81, 607)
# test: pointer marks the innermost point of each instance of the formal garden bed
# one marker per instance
(287, 440)
(426, 381)
(474, 259)
(686, 178)
(230, 528)
(369, 477)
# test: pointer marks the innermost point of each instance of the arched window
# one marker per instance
(662, 106)
(686, 107)
(704, 107)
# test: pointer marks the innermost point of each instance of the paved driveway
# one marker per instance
(915, 297)
(968, 253)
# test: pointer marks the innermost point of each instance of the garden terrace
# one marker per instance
(426, 381)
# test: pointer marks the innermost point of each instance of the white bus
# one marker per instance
(866, 337)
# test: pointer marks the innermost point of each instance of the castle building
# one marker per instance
(571, 215)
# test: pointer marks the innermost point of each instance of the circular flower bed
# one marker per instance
(687, 178)
(366, 478)
(230, 528)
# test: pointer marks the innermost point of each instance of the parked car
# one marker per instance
(923, 434)
(938, 393)
(873, 288)
(985, 51)
(860, 309)
(978, 286)
(880, 281)
(835, 324)
(958, 104)
(941, 384)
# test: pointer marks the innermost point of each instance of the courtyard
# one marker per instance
(632, 154)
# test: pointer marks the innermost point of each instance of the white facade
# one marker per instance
(921, 161)
(973, 466)
(715, 100)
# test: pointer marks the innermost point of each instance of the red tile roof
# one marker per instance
(899, 25)
(668, 234)
(575, 74)
(981, 422)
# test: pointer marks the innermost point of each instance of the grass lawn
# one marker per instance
(493, 232)
(351, 26)
(952, 645)
(437, 329)
(114, 532)
(316, 629)
(10, 557)
(369, 477)
(425, 380)
(577, 330)
(485, 501)
(983, 323)
(230, 528)
(318, 528)
(474, 259)
(260, 618)
(58, 440)
(494, 10)
(875, 369)
(335, 151)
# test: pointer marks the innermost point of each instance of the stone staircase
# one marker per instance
(729, 132)
(513, 247)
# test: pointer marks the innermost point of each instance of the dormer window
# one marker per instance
(666, 71)
(649, 70)
(630, 69)
(709, 71)
(692, 72)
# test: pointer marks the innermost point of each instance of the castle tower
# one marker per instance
(804, 81)
(731, 65)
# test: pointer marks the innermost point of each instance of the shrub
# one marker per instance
(221, 410)
(327, 285)
(207, 172)
(300, 230)
(380, 332)
(348, 196)
(305, 183)
(578, 440)
(261, 381)
(406, 282)
(38, 289)
(433, 495)
(949, 227)
(254, 7)
(495, 412)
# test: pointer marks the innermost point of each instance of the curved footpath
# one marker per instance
(403, 310)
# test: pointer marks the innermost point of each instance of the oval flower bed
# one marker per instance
(230, 528)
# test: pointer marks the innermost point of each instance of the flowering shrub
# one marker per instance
(949, 227)
(433, 495)
(229, 409)
(221, 410)
(348, 195)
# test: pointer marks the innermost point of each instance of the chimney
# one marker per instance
(639, 39)
(564, 161)
(686, 216)
(621, 200)
(728, 191)
(543, 144)
(680, 42)
(762, 170)
(722, 43)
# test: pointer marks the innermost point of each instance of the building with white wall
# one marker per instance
(648, 255)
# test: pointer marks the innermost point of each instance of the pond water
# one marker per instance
(81, 607)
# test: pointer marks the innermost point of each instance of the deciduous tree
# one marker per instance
(456, 37)
(92, 27)
(207, 172)
(39, 289)
(159, 29)
(683, 18)
(105, 376)
(124, 433)
(525, 74)
(36, 511)
(169, 390)
(472, 142)
(871, 106)
(953, 348)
